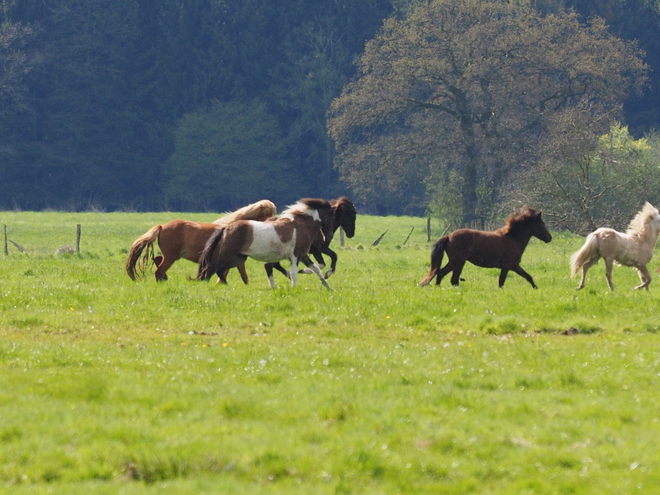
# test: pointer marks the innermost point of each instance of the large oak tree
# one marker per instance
(459, 94)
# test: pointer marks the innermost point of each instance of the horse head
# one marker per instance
(647, 221)
(529, 220)
(344, 215)
(540, 230)
(653, 215)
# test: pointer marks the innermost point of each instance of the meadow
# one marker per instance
(112, 386)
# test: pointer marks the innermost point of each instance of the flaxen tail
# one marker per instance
(206, 268)
(437, 253)
(142, 252)
(588, 252)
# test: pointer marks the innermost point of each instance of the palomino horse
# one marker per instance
(288, 236)
(634, 248)
(502, 248)
(184, 239)
(343, 215)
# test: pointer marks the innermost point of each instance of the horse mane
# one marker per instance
(518, 219)
(641, 220)
(306, 204)
(343, 201)
(258, 210)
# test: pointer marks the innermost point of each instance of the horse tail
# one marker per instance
(206, 269)
(142, 252)
(586, 253)
(437, 253)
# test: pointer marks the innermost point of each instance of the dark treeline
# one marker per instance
(198, 104)
(96, 95)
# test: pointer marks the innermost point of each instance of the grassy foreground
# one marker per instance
(112, 386)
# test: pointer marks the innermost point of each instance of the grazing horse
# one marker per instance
(502, 248)
(185, 239)
(288, 236)
(634, 248)
(343, 215)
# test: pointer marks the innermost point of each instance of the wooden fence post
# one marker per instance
(78, 238)
(428, 229)
(6, 250)
(411, 231)
(341, 236)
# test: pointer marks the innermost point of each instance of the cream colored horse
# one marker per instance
(634, 248)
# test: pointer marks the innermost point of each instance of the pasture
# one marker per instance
(380, 386)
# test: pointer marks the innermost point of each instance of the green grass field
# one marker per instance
(113, 386)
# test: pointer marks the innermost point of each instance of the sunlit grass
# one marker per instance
(379, 386)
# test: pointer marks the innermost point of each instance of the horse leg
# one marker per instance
(310, 264)
(440, 274)
(278, 266)
(236, 261)
(503, 273)
(608, 272)
(320, 262)
(333, 261)
(518, 269)
(162, 267)
(269, 273)
(222, 276)
(294, 271)
(456, 274)
(644, 277)
(585, 268)
(244, 275)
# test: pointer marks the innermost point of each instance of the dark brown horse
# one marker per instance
(185, 239)
(502, 248)
(343, 215)
(288, 236)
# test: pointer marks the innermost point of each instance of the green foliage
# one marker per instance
(230, 154)
(93, 91)
(469, 87)
(595, 181)
(379, 386)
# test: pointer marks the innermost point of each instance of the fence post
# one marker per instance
(78, 238)
(6, 250)
(428, 229)
(411, 231)
(341, 236)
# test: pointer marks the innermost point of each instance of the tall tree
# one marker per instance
(469, 87)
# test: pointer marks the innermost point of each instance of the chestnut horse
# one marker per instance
(185, 239)
(634, 248)
(288, 236)
(502, 248)
(343, 215)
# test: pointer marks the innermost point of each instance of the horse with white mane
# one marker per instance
(634, 248)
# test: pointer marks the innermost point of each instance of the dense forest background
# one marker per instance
(208, 104)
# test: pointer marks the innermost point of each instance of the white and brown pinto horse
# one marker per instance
(185, 239)
(288, 236)
(634, 248)
(343, 215)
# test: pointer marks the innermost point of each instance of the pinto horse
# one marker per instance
(185, 239)
(502, 248)
(288, 236)
(343, 215)
(634, 248)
